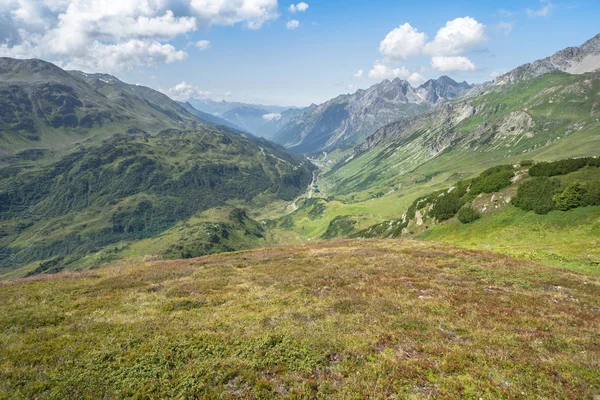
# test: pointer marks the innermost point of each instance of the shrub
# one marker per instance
(526, 163)
(446, 206)
(493, 180)
(466, 215)
(536, 195)
(592, 194)
(562, 167)
(572, 197)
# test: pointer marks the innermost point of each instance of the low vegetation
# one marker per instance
(349, 319)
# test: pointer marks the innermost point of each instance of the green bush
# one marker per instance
(572, 197)
(592, 194)
(526, 163)
(562, 167)
(493, 180)
(466, 215)
(446, 206)
(537, 195)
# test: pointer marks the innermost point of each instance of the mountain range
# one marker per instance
(347, 120)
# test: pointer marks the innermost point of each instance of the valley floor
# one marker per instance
(337, 319)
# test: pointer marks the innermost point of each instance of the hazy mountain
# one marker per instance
(219, 108)
(260, 120)
(347, 119)
(209, 117)
(574, 60)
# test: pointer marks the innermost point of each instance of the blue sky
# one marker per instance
(254, 57)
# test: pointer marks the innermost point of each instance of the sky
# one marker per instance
(291, 53)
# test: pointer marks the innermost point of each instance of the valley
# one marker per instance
(413, 239)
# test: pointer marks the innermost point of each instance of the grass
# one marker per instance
(346, 319)
(569, 239)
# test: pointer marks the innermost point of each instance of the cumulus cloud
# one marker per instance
(447, 64)
(185, 91)
(457, 37)
(382, 70)
(544, 11)
(358, 74)
(293, 24)
(229, 12)
(111, 36)
(203, 44)
(272, 117)
(300, 7)
(403, 42)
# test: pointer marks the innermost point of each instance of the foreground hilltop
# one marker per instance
(334, 319)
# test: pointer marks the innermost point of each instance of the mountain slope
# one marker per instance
(556, 110)
(348, 119)
(46, 108)
(574, 60)
(137, 186)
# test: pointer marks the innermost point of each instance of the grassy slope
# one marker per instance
(569, 239)
(351, 319)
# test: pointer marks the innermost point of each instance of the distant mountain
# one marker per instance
(219, 108)
(574, 60)
(347, 119)
(260, 120)
(209, 117)
(45, 107)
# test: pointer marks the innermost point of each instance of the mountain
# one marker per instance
(493, 122)
(219, 108)
(92, 166)
(347, 119)
(132, 187)
(260, 120)
(209, 117)
(574, 60)
(45, 108)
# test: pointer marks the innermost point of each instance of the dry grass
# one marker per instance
(347, 319)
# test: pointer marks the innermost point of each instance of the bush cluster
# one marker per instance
(562, 167)
(536, 195)
(578, 195)
(467, 214)
(493, 180)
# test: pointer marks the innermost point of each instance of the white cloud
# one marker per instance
(416, 78)
(505, 27)
(457, 37)
(110, 36)
(446, 64)
(300, 7)
(382, 70)
(293, 24)
(229, 12)
(542, 12)
(358, 74)
(403, 42)
(203, 44)
(505, 13)
(272, 117)
(184, 91)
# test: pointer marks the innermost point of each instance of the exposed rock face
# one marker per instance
(347, 119)
(574, 60)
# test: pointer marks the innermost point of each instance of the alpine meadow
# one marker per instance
(254, 199)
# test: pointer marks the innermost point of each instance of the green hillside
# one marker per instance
(134, 187)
